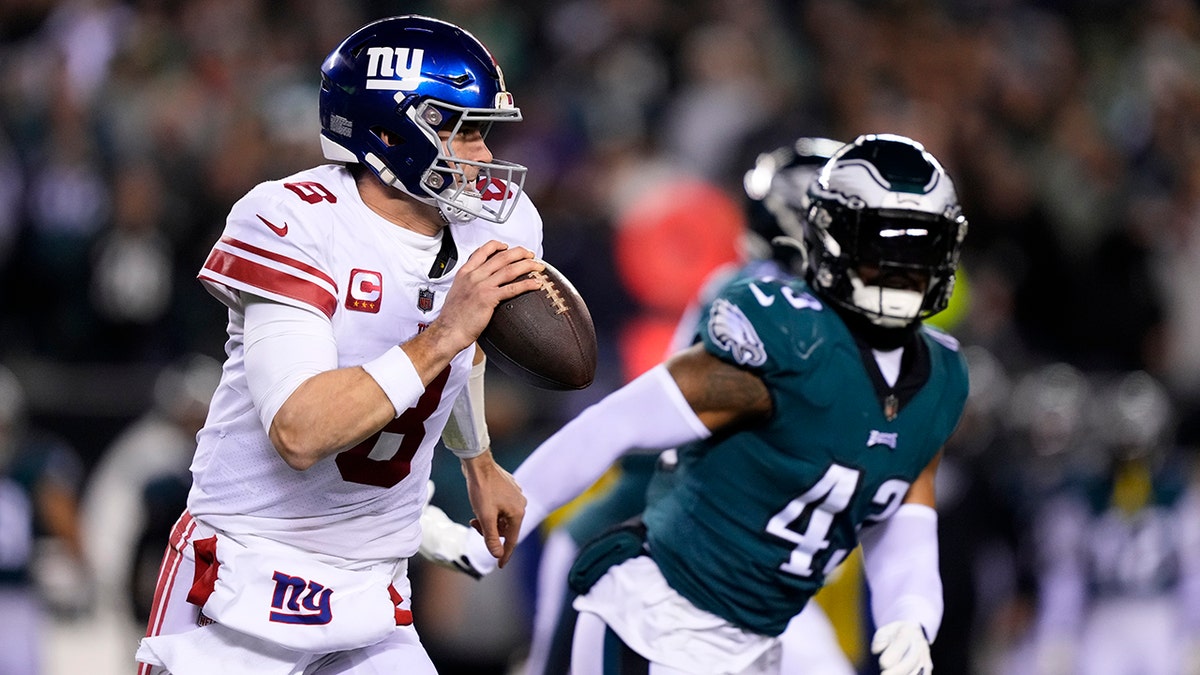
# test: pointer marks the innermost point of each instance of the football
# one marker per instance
(544, 337)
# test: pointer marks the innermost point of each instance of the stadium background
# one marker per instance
(127, 129)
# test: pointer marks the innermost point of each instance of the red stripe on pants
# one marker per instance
(167, 574)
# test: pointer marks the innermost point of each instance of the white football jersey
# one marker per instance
(309, 241)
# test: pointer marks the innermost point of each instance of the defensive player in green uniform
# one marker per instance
(776, 198)
(809, 418)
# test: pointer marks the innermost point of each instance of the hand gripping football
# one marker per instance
(544, 337)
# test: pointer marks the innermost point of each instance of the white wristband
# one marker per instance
(398, 378)
(466, 432)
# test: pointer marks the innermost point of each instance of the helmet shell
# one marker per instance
(413, 76)
(777, 198)
(883, 201)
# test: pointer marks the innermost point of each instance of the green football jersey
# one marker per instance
(759, 516)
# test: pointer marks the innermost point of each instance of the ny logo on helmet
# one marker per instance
(385, 64)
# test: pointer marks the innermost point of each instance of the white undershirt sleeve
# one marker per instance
(649, 413)
(900, 560)
(284, 346)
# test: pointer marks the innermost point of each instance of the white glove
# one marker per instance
(443, 541)
(902, 649)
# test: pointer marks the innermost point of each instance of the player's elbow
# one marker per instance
(294, 447)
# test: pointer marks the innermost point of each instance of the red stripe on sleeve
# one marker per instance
(282, 259)
(272, 280)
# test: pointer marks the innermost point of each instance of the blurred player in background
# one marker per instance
(809, 412)
(40, 477)
(1118, 545)
(355, 291)
(156, 449)
(776, 200)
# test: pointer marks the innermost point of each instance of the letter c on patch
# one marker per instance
(367, 286)
(365, 291)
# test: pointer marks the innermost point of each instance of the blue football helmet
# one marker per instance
(883, 202)
(413, 76)
(777, 198)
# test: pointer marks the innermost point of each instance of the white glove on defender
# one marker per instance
(902, 649)
(443, 541)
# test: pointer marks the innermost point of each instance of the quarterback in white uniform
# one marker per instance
(355, 292)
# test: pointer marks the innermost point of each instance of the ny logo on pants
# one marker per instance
(300, 601)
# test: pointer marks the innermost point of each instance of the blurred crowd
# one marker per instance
(1072, 128)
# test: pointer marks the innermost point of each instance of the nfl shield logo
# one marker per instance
(424, 299)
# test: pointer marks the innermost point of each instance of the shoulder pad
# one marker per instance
(754, 321)
(942, 338)
(274, 245)
(523, 228)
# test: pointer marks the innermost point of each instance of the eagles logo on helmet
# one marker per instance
(884, 204)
